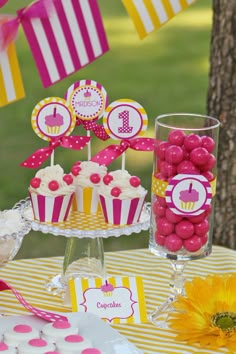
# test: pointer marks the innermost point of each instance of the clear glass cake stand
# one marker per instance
(84, 253)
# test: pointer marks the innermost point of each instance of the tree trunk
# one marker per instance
(221, 103)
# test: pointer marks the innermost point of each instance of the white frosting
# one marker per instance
(52, 334)
(121, 180)
(48, 174)
(10, 222)
(13, 338)
(87, 169)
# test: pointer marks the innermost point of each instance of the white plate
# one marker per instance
(102, 335)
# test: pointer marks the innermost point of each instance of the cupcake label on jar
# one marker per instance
(188, 195)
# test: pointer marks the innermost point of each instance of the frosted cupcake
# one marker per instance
(51, 193)
(122, 198)
(88, 176)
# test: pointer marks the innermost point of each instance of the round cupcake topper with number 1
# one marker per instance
(125, 119)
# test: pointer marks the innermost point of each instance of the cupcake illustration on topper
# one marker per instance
(107, 289)
(54, 122)
(189, 197)
(87, 95)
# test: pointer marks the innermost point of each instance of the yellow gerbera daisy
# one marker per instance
(206, 315)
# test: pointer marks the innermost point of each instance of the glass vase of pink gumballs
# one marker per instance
(183, 192)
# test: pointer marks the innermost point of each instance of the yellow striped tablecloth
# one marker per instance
(29, 275)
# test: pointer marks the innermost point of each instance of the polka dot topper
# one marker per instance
(125, 119)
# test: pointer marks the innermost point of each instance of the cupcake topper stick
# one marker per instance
(123, 161)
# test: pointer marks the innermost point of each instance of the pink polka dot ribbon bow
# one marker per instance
(111, 152)
(48, 316)
(71, 142)
(97, 129)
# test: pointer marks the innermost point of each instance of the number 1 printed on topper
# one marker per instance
(125, 119)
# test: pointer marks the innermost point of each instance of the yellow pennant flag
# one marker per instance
(149, 15)
(11, 85)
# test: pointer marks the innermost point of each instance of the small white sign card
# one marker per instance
(116, 299)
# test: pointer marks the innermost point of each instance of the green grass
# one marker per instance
(166, 72)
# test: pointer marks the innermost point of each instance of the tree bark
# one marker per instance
(221, 103)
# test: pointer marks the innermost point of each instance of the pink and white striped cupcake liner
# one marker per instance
(122, 211)
(51, 209)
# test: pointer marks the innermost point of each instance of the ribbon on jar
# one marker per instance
(112, 152)
(9, 29)
(48, 316)
(97, 129)
(39, 156)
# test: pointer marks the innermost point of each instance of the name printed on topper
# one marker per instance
(86, 103)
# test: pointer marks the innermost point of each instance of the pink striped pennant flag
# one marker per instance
(71, 36)
(11, 85)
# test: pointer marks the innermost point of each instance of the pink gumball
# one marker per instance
(201, 228)
(162, 201)
(172, 217)
(193, 243)
(208, 175)
(187, 167)
(204, 239)
(199, 156)
(164, 227)
(174, 154)
(176, 137)
(196, 219)
(208, 210)
(210, 164)
(184, 229)
(158, 209)
(160, 239)
(167, 170)
(192, 141)
(173, 243)
(208, 143)
(161, 149)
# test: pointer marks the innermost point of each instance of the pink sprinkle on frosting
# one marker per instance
(3, 346)
(74, 338)
(37, 342)
(61, 324)
(22, 328)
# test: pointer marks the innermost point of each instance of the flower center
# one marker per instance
(224, 320)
